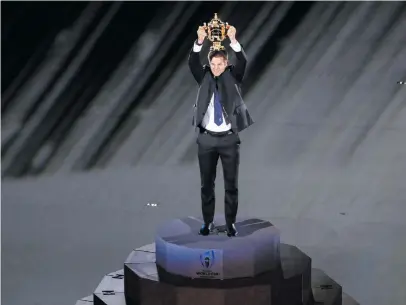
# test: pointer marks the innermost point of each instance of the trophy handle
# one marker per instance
(224, 30)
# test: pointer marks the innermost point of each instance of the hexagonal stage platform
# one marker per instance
(183, 268)
(180, 251)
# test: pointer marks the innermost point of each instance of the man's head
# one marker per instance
(218, 60)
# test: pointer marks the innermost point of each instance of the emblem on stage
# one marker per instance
(212, 263)
(207, 259)
(216, 32)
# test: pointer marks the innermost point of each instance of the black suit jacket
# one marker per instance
(229, 86)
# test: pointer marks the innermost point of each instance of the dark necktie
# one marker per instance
(218, 113)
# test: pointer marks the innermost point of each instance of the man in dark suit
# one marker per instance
(219, 115)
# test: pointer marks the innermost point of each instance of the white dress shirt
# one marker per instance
(208, 119)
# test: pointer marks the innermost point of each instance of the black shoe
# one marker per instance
(231, 230)
(206, 229)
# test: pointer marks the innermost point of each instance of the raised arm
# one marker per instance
(238, 70)
(195, 64)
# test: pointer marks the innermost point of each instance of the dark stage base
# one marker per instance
(321, 288)
(183, 268)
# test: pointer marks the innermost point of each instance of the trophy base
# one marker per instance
(217, 47)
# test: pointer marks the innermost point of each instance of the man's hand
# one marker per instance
(201, 34)
(231, 34)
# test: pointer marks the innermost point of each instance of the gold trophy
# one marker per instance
(216, 32)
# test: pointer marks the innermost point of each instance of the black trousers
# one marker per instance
(210, 150)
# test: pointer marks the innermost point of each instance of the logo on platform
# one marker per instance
(207, 259)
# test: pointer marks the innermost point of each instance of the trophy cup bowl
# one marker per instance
(216, 32)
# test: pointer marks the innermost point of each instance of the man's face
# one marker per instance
(217, 65)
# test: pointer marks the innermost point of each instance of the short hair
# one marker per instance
(217, 53)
